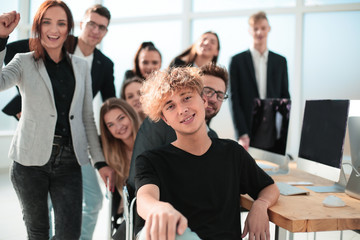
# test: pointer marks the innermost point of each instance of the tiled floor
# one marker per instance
(12, 226)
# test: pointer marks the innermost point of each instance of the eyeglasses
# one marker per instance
(93, 25)
(209, 92)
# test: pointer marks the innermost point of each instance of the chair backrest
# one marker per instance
(129, 207)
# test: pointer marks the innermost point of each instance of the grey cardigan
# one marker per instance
(32, 141)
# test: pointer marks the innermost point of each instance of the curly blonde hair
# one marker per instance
(162, 84)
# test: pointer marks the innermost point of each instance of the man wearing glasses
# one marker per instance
(93, 29)
(152, 135)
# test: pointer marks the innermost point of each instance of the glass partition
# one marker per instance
(228, 5)
(142, 8)
(122, 41)
(77, 8)
(331, 55)
(328, 2)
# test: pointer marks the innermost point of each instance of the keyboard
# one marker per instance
(288, 190)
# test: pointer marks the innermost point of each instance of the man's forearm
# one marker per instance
(147, 197)
(269, 195)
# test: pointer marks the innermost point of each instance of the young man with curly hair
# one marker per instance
(190, 189)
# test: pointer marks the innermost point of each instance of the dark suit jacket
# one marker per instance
(244, 90)
(102, 74)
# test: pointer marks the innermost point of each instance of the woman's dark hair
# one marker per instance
(149, 46)
(35, 41)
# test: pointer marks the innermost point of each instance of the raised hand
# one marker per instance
(8, 22)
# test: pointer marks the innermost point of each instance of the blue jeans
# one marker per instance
(187, 235)
(92, 201)
(61, 178)
(91, 205)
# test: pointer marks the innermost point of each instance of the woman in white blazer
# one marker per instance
(57, 126)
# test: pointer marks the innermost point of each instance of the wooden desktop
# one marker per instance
(306, 213)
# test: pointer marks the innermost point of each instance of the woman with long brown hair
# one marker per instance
(119, 124)
(57, 123)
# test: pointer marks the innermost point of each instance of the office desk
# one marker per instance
(306, 213)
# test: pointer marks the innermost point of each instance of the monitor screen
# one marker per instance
(270, 122)
(269, 129)
(322, 137)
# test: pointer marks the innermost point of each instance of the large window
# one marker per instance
(328, 2)
(7, 6)
(331, 49)
(8, 124)
(214, 5)
(77, 7)
(140, 8)
(123, 40)
(319, 39)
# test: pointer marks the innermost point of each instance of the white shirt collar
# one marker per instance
(89, 58)
(257, 54)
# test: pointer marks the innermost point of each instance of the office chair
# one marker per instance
(129, 205)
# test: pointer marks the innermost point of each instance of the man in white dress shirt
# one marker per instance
(255, 73)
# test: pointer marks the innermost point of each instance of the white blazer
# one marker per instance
(32, 141)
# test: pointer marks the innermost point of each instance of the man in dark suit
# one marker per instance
(94, 27)
(255, 73)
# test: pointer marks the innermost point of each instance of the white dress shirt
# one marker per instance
(260, 66)
(89, 59)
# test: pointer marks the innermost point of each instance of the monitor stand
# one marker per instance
(353, 185)
(282, 169)
(338, 187)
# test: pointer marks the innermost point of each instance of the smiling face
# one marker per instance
(118, 124)
(207, 45)
(149, 61)
(184, 111)
(214, 104)
(132, 96)
(93, 29)
(54, 29)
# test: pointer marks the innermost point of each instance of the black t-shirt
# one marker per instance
(205, 189)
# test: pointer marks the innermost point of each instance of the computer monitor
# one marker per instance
(269, 132)
(354, 111)
(353, 184)
(322, 140)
